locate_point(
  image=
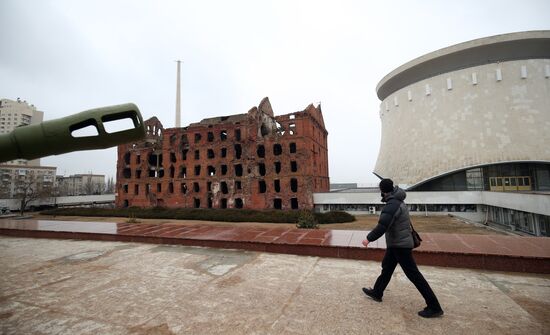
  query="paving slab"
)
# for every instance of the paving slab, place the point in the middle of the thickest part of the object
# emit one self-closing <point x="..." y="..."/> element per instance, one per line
<point x="50" y="286"/>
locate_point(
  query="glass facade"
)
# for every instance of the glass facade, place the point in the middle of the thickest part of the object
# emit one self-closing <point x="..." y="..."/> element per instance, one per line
<point x="411" y="207"/>
<point x="530" y="223"/>
<point x="496" y="177"/>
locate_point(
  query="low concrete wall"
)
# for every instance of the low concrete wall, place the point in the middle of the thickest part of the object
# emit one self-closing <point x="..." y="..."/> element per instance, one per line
<point x="420" y="198"/>
<point x="538" y="203"/>
<point x="15" y="204"/>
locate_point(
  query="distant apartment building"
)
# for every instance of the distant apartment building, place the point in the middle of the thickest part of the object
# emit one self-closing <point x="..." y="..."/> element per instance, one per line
<point x="81" y="184"/>
<point x="17" y="179"/>
<point x="15" y="114"/>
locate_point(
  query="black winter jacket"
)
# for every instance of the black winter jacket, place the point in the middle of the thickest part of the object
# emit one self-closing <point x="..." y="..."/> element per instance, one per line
<point x="399" y="233"/>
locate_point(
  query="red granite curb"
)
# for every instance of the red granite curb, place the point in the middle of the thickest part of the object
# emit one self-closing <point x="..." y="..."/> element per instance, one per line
<point x="488" y="252"/>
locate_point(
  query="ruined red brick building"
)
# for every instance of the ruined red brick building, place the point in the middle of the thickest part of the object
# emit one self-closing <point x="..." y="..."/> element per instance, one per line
<point x="254" y="160"/>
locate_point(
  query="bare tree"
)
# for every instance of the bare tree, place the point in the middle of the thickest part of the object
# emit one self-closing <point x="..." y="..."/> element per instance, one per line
<point x="29" y="188"/>
<point x="110" y="189"/>
<point x="89" y="187"/>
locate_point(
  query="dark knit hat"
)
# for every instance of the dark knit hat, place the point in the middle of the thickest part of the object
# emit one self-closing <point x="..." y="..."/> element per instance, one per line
<point x="386" y="185"/>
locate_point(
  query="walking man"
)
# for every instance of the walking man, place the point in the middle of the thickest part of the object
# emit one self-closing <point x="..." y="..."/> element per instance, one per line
<point x="394" y="221"/>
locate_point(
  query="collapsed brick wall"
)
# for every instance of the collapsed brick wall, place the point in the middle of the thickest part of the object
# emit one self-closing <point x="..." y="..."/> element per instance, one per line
<point x="253" y="160"/>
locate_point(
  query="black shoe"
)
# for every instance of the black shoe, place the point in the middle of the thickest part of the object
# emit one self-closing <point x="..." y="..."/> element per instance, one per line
<point x="430" y="313"/>
<point x="370" y="293"/>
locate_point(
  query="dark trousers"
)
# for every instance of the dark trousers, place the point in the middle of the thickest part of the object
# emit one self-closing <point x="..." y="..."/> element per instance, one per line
<point x="403" y="257"/>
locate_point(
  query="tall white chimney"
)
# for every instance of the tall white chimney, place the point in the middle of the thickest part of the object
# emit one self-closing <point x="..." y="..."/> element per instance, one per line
<point x="178" y="103"/>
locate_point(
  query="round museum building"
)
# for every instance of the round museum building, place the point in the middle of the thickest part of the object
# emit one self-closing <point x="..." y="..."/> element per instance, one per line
<point x="472" y="116"/>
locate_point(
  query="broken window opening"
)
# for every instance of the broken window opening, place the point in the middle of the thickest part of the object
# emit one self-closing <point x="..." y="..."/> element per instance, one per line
<point x="277" y="185"/>
<point x="197" y="154"/>
<point x="171" y="187"/>
<point x="138" y="159"/>
<point x="173" y="157"/>
<point x="127" y="157"/>
<point x="223" y="152"/>
<point x="277" y="203"/>
<point x="152" y="173"/>
<point x="210" y="154"/>
<point x="159" y="187"/>
<point x="237" y="134"/>
<point x="262" y="186"/>
<point x="223" y="203"/>
<point x="223" y="135"/>
<point x="238" y="203"/>
<point x="172" y="139"/>
<point x="197" y="170"/>
<point x="211" y="170"/>
<point x="264" y="130"/>
<point x="224" y="170"/>
<point x="238" y="170"/>
<point x="261" y="151"/>
<point x="183" y="188"/>
<point x="127" y="173"/>
<point x="198" y="137"/>
<point x="293" y="166"/>
<point x="238" y="151"/>
<point x="277" y="167"/>
<point x="184" y="139"/>
<point x="125" y="188"/>
<point x="261" y="169"/>
<point x="172" y="171"/>
<point x="292" y="147"/>
<point x="138" y="174"/>
<point x="183" y="172"/>
<point x="209" y="186"/>
<point x="238" y="185"/>
<point x="294" y="203"/>
<point x="294" y="185"/>
<point x="125" y="204"/>
<point x="277" y="149"/>
<point x="155" y="159"/>
<point x="197" y="202"/>
<point x="184" y="154"/>
<point x="196" y="187"/>
<point x="210" y="136"/>
<point x="136" y="189"/>
<point x="224" y="188"/>
<point x="161" y="173"/>
<point x="280" y="128"/>
<point x="209" y="202"/>
<point x="292" y="116"/>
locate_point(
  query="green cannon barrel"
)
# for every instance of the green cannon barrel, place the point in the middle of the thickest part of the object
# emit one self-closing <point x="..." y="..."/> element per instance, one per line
<point x="81" y="131"/>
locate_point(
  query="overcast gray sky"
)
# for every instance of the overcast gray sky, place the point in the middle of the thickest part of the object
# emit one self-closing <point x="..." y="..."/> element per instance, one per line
<point x="68" y="56"/>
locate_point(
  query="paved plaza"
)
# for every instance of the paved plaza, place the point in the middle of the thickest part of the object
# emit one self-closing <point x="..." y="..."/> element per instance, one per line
<point x="50" y="286"/>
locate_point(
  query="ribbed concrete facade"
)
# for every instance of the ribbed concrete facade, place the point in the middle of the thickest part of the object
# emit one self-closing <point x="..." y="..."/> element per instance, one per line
<point x="488" y="103"/>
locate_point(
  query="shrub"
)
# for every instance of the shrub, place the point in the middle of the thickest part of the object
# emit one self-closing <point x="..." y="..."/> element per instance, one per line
<point x="307" y="220"/>
<point x="132" y="219"/>
<point x="334" y="217"/>
<point x="226" y="215"/>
